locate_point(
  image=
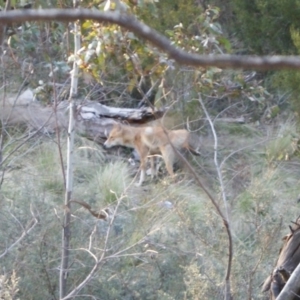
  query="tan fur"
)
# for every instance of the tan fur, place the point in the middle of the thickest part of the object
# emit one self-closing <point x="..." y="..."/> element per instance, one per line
<point x="150" y="141"/>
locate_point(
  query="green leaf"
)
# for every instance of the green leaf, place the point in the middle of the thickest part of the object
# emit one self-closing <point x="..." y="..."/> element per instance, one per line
<point x="216" y="27"/>
<point x="87" y="25"/>
<point x="225" y="43"/>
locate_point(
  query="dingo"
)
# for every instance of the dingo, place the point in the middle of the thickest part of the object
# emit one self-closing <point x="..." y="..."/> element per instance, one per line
<point x="150" y="141"/>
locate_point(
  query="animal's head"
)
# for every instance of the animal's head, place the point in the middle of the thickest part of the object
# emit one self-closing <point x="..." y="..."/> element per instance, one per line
<point x="115" y="137"/>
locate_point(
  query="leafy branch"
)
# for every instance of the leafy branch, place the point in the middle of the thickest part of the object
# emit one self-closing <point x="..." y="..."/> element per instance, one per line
<point x="158" y="40"/>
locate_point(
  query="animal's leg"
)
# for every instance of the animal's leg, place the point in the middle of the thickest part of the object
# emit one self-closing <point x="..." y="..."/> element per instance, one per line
<point x="158" y="164"/>
<point x="143" y="158"/>
<point x="168" y="156"/>
<point x="153" y="170"/>
<point x="142" y="177"/>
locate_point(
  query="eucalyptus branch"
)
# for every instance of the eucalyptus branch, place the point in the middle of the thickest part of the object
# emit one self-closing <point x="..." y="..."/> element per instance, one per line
<point x="158" y="40"/>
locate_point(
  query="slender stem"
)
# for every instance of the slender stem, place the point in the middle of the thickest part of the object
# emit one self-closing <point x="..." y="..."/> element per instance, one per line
<point x="66" y="232"/>
<point x="226" y="222"/>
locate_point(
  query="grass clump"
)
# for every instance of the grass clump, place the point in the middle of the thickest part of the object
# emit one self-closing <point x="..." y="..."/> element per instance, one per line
<point x="284" y="146"/>
<point x="46" y="164"/>
<point x="108" y="183"/>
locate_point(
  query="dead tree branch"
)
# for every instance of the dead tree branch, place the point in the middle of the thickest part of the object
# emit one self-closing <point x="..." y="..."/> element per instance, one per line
<point x="158" y="40"/>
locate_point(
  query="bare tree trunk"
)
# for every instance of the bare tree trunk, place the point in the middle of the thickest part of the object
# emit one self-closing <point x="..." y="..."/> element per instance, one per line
<point x="66" y="232"/>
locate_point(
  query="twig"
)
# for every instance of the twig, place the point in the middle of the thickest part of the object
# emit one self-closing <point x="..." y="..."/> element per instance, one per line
<point x="58" y="131"/>
<point x="26" y="231"/>
<point x="219" y="211"/>
<point x="98" y="261"/>
<point x="218" y="168"/>
<point x="225" y="220"/>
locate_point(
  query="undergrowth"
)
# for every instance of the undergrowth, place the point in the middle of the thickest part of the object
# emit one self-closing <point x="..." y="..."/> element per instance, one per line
<point x="166" y="240"/>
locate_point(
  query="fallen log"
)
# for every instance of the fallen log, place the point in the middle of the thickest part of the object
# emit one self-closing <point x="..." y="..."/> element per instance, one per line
<point x="93" y="120"/>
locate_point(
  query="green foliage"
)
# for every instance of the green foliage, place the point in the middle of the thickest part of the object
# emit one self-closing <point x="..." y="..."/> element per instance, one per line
<point x="238" y="130"/>
<point x="110" y="181"/>
<point x="119" y="55"/>
<point x="295" y="36"/>
<point x="170" y="13"/>
<point x="204" y="35"/>
<point x="270" y="32"/>
<point x="287" y="82"/>
<point x="285" y="145"/>
<point x="274" y="31"/>
<point x="49" y="169"/>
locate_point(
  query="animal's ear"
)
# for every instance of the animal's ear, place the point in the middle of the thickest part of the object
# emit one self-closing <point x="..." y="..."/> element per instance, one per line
<point x="118" y="126"/>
